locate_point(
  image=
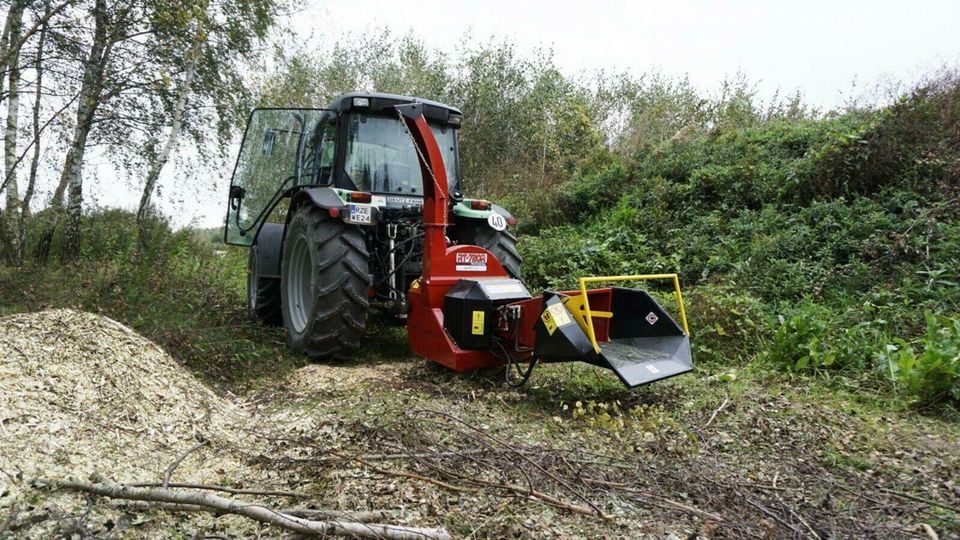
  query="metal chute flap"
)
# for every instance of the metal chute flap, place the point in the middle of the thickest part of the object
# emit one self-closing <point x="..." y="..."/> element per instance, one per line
<point x="645" y="344"/>
<point x="637" y="314"/>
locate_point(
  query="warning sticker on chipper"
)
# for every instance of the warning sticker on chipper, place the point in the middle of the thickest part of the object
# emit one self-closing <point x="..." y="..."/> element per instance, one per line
<point x="472" y="262"/>
<point x="477" y="327"/>
<point x="554" y="317"/>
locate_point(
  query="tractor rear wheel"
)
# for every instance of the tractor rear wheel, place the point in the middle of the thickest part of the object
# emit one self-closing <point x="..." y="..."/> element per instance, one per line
<point x="503" y="244"/>
<point x="324" y="283"/>
<point x="263" y="293"/>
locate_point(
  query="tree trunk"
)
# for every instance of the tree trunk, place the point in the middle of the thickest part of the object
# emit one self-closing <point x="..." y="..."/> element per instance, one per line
<point x="143" y="212"/>
<point x="12" y="217"/>
<point x="71" y="177"/>
<point x="37" y="99"/>
<point x="4" y="41"/>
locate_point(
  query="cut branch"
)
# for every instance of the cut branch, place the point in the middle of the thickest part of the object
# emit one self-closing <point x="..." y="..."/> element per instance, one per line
<point x="255" y="512"/>
<point x="225" y="489"/>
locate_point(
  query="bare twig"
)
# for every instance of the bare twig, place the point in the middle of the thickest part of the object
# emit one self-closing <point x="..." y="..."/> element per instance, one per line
<point x="677" y="505"/>
<point x="405" y="474"/>
<point x="173" y="466"/>
<point x="931" y="534"/>
<point x="713" y="416"/>
<point x="920" y="499"/>
<point x="253" y="511"/>
<point x="776" y="517"/>
<point x="596" y="510"/>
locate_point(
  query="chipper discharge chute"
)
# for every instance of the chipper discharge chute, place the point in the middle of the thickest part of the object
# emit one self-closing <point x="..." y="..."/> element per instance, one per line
<point x="467" y="312"/>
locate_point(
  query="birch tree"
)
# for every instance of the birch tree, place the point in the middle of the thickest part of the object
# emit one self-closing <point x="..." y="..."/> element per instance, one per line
<point x="12" y="45"/>
<point x="71" y="177"/>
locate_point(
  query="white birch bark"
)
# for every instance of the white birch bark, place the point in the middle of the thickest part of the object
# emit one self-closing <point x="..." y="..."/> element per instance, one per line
<point x="12" y="213"/>
<point x="175" y="125"/>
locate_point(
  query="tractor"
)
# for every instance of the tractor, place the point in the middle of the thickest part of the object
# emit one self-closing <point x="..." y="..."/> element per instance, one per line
<point x="358" y="210"/>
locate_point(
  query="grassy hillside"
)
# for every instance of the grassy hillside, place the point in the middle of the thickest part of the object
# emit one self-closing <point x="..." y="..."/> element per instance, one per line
<point x="819" y="245"/>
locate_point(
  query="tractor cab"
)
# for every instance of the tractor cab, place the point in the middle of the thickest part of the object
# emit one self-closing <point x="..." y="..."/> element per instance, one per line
<point x="356" y="145"/>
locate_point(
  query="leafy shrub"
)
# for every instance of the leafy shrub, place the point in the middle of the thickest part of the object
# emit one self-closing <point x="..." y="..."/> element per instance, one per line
<point x="933" y="375"/>
<point x="816" y="338"/>
<point x="726" y="322"/>
<point x="798" y="342"/>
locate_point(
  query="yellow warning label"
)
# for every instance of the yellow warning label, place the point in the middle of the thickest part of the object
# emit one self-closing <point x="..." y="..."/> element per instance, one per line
<point x="548" y="322"/>
<point x="477" y="328"/>
<point x="555" y="316"/>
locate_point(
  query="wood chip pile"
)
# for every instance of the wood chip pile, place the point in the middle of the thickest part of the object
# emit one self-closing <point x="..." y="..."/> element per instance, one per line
<point x="83" y="394"/>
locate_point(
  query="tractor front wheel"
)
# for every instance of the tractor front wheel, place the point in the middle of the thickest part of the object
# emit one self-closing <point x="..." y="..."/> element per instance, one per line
<point x="503" y="244"/>
<point x="324" y="283"/>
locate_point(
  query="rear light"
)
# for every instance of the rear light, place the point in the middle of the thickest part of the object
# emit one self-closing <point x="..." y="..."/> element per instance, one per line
<point x="370" y="292"/>
<point x="360" y="197"/>
<point x="480" y="204"/>
<point x="511" y="221"/>
<point x="334" y="212"/>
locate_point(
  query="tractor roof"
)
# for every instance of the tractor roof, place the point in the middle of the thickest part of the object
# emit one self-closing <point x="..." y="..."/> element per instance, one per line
<point x="378" y="102"/>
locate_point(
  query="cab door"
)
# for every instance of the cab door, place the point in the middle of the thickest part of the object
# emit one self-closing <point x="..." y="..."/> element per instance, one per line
<point x="281" y="149"/>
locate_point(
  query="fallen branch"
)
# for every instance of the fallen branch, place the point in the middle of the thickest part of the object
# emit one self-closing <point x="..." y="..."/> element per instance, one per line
<point x="360" y="516"/>
<point x="226" y="489"/>
<point x="931" y="534"/>
<point x="256" y="512"/>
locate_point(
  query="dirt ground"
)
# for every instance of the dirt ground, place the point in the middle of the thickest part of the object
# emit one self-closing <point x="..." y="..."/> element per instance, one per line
<point x="719" y="453"/>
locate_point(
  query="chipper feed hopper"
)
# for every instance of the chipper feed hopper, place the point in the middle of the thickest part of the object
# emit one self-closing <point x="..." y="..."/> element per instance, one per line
<point x="357" y="208"/>
<point x="466" y="311"/>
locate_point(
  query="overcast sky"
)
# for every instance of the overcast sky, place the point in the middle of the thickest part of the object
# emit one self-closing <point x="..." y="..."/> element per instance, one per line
<point x="817" y="47"/>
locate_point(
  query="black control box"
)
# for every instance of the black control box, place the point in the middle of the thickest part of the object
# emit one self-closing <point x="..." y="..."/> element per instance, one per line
<point x="469" y="309"/>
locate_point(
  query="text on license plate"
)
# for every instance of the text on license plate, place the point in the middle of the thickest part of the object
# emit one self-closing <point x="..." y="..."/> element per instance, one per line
<point x="359" y="214"/>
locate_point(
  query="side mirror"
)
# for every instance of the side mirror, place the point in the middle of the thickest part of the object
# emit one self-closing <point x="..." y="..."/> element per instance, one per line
<point x="237" y="194"/>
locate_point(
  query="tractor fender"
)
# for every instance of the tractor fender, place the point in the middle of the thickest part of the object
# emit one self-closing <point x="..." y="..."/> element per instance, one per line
<point x="464" y="212"/>
<point x="501" y="210"/>
<point x="266" y="248"/>
<point x="321" y="197"/>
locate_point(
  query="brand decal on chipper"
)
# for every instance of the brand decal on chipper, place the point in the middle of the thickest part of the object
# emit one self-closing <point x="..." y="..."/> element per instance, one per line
<point x="472" y="262"/>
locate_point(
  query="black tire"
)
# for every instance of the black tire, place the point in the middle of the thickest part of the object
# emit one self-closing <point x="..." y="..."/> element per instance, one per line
<point x="503" y="244"/>
<point x="263" y="294"/>
<point x="324" y="283"/>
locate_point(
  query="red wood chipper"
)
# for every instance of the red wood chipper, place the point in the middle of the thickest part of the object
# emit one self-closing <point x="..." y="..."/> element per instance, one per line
<point x="466" y="311"/>
<point x="357" y="208"/>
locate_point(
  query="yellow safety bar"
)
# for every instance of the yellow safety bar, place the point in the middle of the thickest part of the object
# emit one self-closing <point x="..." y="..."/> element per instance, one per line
<point x="644" y="277"/>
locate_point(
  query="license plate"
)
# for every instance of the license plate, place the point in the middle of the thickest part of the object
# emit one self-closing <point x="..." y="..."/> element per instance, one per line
<point x="359" y="214"/>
